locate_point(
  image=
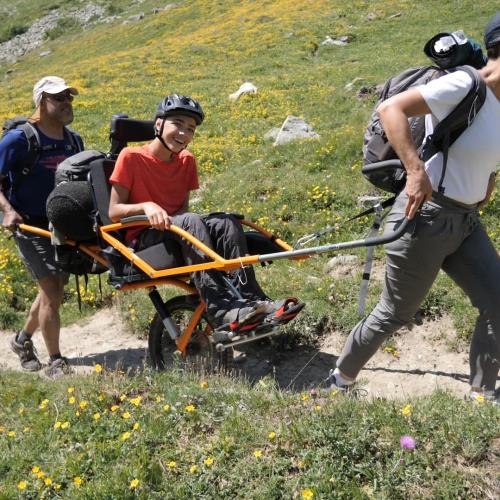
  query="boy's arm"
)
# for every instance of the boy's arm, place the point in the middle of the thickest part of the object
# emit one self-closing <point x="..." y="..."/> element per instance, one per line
<point x="119" y="208"/>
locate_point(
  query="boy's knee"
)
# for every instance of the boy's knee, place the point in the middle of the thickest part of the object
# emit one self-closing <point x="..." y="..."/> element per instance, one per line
<point x="188" y="220"/>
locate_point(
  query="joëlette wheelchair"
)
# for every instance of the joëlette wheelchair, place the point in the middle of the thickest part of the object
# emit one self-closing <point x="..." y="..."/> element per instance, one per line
<point x="180" y="328"/>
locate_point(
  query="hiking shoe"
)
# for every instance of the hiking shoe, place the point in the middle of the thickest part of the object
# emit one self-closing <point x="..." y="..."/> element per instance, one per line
<point x="484" y="397"/>
<point x="27" y="354"/>
<point x="58" y="368"/>
<point x="334" y="385"/>
<point x="280" y="312"/>
<point x="244" y="319"/>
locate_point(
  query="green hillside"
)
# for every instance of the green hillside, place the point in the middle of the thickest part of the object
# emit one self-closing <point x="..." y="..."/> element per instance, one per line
<point x="207" y="49"/>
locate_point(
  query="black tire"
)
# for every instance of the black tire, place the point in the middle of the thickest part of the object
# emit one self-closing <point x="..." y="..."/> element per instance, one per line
<point x="200" y="353"/>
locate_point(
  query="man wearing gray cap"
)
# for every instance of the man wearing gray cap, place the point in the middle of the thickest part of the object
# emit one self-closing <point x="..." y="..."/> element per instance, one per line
<point x="29" y="155"/>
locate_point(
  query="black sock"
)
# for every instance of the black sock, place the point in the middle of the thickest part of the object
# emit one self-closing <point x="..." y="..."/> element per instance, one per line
<point x="23" y="336"/>
<point x="53" y="357"/>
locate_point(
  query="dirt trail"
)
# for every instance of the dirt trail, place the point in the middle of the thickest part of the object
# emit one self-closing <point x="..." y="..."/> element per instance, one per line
<point x="425" y="362"/>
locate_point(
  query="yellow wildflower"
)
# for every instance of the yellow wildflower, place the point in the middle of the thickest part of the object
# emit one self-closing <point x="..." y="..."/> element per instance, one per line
<point x="72" y="400"/>
<point x="22" y="485"/>
<point x="172" y="464"/>
<point x="204" y="384"/>
<point x="257" y="453"/>
<point x="190" y="408"/>
<point x="406" y="410"/>
<point x="307" y="493"/>
<point x="272" y="435"/>
<point x="136" y="401"/>
<point x="193" y="469"/>
<point x="47" y="481"/>
<point x="114" y="408"/>
<point x="126" y="415"/>
<point x="35" y="469"/>
<point x="136" y="426"/>
<point x="98" y="368"/>
<point x="64" y="425"/>
<point x="96" y="416"/>
<point x="57" y="425"/>
<point x="134" y="483"/>
<point x="83" y="405"/>
<point x="77" y="481"/>
<point x="125" y="436"/>
<point x="166" y="407"/>
<point x="208" y="461"/>
<point x="71" y="390"/>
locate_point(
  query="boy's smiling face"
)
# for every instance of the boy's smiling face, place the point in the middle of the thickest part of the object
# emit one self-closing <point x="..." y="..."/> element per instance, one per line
<point x="178" y="131"/>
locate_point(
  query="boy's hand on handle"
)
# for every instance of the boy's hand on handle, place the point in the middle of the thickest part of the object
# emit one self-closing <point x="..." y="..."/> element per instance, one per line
<point x="418" y="189"/>
<point x="11" y="219"/>
<point x="157" y="216"/>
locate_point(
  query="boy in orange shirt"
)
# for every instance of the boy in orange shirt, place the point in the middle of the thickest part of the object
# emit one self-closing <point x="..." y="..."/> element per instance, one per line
<point x="155" y="180"/>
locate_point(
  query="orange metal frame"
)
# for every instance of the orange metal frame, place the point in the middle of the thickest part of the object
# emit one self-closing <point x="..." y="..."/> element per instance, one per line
<point x="178" y="276"/>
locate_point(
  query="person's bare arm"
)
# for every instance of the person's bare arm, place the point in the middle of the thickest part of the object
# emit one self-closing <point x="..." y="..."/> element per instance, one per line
<point x="394" y="114"/>
<point x="119" y="208"/>
<point x="11" y="219"/>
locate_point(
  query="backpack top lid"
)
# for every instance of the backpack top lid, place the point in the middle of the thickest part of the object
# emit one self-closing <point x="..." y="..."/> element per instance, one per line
<point x="448" y="50"/>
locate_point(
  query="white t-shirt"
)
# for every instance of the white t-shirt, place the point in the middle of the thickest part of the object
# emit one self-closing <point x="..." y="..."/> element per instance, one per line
<point x="476" y="153"/>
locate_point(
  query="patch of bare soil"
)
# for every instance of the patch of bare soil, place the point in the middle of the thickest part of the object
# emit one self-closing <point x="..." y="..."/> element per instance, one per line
<point x="102" y="339"/>
<point x="423" y="361"/>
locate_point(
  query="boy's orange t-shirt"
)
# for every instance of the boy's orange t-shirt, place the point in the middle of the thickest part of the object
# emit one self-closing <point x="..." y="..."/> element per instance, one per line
<point x="150" y="179"/>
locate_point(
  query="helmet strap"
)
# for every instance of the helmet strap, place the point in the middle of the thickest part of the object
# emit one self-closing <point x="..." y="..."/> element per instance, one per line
<point x="159" y="136"/>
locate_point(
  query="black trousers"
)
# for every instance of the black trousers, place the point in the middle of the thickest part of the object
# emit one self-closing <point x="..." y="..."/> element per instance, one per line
<point x="223" y="233"/>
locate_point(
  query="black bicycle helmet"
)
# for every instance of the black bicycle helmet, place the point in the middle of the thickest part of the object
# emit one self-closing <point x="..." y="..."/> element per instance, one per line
<point x="180" y="105"/>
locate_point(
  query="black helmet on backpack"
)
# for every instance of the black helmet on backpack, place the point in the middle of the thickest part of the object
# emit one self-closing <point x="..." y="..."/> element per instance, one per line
<point x="448" y="50"/>
<point x="180" y="105"/>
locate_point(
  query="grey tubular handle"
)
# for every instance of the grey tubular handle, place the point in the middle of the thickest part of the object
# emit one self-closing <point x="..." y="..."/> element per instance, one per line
<point x="367" y="242"/>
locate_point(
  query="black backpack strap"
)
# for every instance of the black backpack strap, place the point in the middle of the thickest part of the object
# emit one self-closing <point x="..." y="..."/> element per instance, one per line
<point x="34" y="147"/>
<point x="74" y="140"/>
<point x="449" y="129"/>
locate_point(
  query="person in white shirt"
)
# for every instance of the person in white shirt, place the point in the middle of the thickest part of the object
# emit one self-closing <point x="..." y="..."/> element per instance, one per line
<point x="445" y="231"/>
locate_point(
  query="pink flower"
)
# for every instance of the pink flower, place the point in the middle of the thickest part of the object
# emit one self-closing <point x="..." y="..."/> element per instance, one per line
<point x="407" y="443"/>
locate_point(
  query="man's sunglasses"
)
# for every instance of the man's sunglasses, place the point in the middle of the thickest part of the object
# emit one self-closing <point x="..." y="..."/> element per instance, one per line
<point x="60" y="97"/>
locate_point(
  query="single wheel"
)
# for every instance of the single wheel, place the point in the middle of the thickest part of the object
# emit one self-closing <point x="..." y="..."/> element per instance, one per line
<point x="200" y="352"/>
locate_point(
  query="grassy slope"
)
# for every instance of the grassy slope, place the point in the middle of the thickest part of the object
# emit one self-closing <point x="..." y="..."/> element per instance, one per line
<point x="207" y="49"/>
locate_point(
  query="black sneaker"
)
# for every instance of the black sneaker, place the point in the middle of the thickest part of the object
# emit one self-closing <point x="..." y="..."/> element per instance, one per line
<point x="334" y="385"/>
<point x="58" y="368"/>
<point x="27" y="354"/>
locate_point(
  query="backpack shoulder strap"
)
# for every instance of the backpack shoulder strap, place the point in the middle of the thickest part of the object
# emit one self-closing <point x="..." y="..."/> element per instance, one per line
<point x="448" y="130"/>
<point x="74" y="139"/>
<point x="34" y="147"/>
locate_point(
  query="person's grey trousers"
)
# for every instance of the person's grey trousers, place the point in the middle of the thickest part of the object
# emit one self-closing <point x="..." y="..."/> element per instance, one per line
<point x="444" y="235"/>
<point x="223" y="233"/>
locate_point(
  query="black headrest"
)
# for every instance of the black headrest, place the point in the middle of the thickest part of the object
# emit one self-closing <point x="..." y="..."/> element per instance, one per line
<point x="123" y="130"/>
